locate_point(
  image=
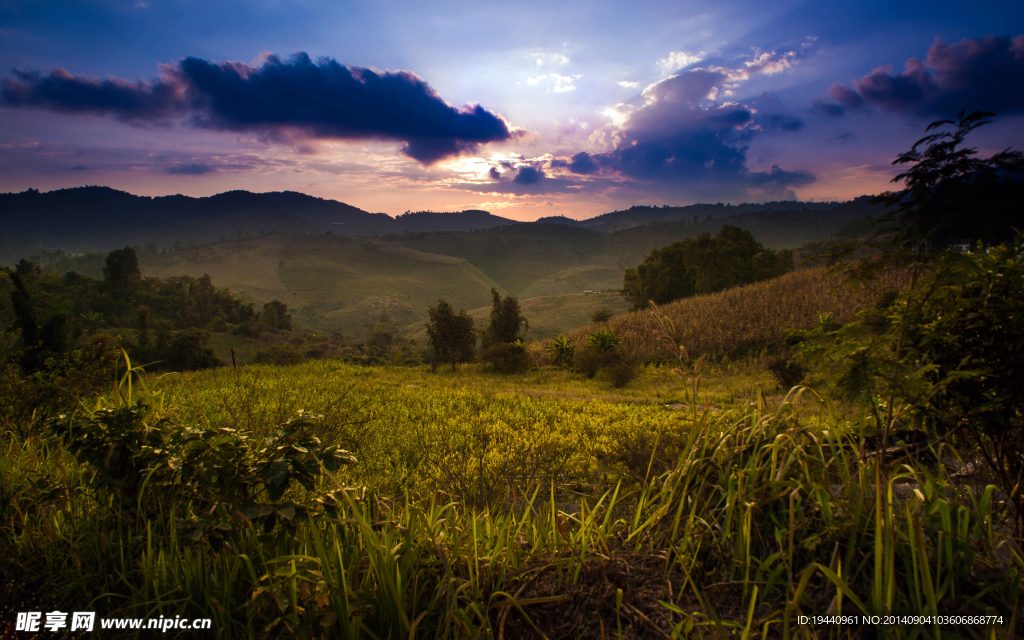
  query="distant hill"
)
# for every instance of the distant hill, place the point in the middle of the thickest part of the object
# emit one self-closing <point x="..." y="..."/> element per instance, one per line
<point x="100" y="218"/>
<point x="638" y="216"/>
<point x="455" y="221"/>
<point x="346" y="284"/>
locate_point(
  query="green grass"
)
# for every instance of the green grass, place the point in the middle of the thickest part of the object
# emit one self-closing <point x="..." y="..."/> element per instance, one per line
<point x="575" y="279"/>
<point x="548" y="315"/>
<point x="736" y="522"/>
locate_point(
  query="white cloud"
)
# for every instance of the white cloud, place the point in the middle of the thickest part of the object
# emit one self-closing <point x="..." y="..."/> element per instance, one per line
<point x="771" y="63"/>
<point x="551" y="59"/>
<point x="558" y="83"/>
<point x="677" y="60"/>
<point x="618" y="114"/>
<point x="628" y="84"/>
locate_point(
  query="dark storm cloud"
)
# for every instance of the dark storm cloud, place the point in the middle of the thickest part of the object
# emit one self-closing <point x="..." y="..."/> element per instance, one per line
<point x="828" y="109"/>
<point x="582" y="164"/>
<point x="67" y="93"/>
<point x="280" y="98"/>
<point x="983" y="73"/>
<point x="494" y="173"/>
<point x="776" y="178"/>
<point x="528" y="175"/>
<point x="845" y="96"/>
<point x="192" y="169"/>
<point x="784" y="122"/>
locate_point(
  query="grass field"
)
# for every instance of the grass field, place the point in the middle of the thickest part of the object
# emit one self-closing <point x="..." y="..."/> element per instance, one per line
<point x="548" y="315"/>
<point x="529" y="506"/>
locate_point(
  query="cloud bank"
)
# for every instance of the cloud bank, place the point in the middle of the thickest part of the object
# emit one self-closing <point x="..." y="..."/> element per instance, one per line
<point x="288" y="99"/>
<point x="682" y="135"/>
<point x="973" y="74"/>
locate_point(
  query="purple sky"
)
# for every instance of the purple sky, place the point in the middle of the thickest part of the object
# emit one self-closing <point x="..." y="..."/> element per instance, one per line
<point x="524" y="109"/>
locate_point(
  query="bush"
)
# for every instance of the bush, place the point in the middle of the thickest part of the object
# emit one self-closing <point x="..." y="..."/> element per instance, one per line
<point x="279" y="355"/>
<point x="218" y="325"/>
<point x="228" y="478"/>
<point x="187" y="351"/>
<point x="604" y="340"/>
<point x="786" y="371"/>
<point x="507" y="357"/>
<point x="65" y="382"/>
<point x="620" y="366"/>
<point x="622" y="371"/>
<point x="561" y="350"/>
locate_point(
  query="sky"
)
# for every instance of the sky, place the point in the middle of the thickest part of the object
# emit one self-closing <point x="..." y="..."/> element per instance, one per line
<point x="525" y="109"/>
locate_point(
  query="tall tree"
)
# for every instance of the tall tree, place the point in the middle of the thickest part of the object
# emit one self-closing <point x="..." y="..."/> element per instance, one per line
<point x="452" y="336"/>
<point x="507" y="321"/>
<point x="121" y="270"/>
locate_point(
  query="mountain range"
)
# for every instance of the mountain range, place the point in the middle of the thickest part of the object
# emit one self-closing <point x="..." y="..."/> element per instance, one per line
<point x="95" y="218"/>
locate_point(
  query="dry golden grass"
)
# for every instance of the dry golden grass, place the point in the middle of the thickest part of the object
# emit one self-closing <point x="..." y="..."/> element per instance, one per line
<point x="749" y="317"/>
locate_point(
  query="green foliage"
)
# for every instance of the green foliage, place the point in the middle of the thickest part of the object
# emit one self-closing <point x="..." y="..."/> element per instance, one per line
<point x="950" y="196"/>
<point x="58" y="386"/>
<point x="703" y="264"/>
<point x="787" y="371"/>
<point x="451" y="336"/>
<point x="276" y="316"/>
<point x="604" y="340"/>
<point x="121" y="271"/>
<point x="604" y="353"/>
<point x="604" y="314"/>
<point x="229" y="478"/>
<point x="186" y="351"/>
<point x="561" y="350"/>
<point x="945" y="356"/>
<point x="776" y="507"/>
<point x="507" y="322"/>
<point x="280" y="355"/>
<point x="507" y="357"/>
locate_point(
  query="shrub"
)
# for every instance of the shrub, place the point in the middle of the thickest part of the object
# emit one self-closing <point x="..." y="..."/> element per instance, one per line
<point x="604" y="340"/>
<point x="622" y="369"/>
<point x="561" y="350"/>
<point x="218" y="325"/>
<point x="187" y="351"/>
<point x="228" y="478"/>
<point x="588" y="361"/>
<point x="507" y="357"/>
<point x="786" y="371"/>
<point x="604" y="314"/>
<point x="620" y="366"/>
<point x="279" y="355"/>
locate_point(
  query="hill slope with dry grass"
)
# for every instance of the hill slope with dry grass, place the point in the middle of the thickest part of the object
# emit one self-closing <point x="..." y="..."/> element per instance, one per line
<point x="754" y="316"/>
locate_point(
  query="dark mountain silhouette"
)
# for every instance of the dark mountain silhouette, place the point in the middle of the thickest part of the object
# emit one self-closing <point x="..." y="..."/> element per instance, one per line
<point x="455" y="221"/>
<point x="94" y="218"/>
<point x="638" y="216"/>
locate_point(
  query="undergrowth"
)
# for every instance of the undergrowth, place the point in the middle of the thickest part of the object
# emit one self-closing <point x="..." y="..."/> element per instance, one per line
<point x="737" y="523"/>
